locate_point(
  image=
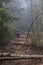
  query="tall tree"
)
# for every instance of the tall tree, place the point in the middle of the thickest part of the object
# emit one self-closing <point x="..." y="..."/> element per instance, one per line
<point x="5" y="32"/>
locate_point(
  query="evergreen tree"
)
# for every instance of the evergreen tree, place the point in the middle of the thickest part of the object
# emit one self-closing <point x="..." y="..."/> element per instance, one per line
<point x="5" y="32"/>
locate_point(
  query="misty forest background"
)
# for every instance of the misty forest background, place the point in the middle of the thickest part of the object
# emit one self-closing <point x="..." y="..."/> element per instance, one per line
<point x="19" y="14"/>
<point x="26" y="11"/>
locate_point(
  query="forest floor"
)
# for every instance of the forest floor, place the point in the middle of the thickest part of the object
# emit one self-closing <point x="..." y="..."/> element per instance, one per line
<point x="18" y="46"/>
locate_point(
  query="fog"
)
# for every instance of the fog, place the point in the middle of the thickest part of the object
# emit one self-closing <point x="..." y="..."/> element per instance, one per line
<point x="26" y="11"/>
